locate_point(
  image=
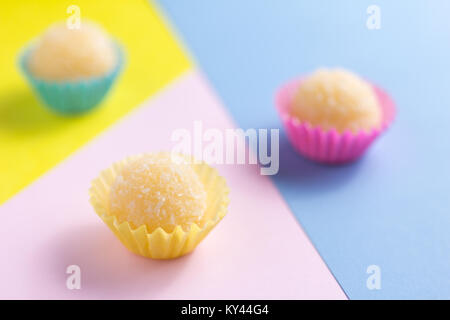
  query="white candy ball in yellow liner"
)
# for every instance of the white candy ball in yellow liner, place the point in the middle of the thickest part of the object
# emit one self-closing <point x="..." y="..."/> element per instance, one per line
<point x="339" y="99"/>
<point x="155" y="191"/>
<point x="63" y="54"/>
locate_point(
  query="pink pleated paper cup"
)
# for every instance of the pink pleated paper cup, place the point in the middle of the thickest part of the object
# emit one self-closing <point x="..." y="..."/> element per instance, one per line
<point x="330" y="146"/>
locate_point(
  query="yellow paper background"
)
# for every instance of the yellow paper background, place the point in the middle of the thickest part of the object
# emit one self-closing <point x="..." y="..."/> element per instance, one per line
<point x="33" y="139"/>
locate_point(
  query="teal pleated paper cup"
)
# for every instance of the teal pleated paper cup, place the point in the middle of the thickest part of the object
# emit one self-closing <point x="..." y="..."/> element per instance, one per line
<point x="72" y="97"/>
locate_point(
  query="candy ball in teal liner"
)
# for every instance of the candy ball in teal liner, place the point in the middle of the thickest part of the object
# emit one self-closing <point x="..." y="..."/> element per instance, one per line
<point x="71" y="87"/>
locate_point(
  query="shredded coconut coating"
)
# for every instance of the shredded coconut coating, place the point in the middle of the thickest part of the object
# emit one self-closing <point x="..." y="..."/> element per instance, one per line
<point x="72" y="54"/>
<point x="155" y="191"/>
<point x="339" y="99"/>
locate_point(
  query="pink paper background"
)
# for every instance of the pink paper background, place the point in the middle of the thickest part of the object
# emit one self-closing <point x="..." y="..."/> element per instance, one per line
<point x="258" y="251"/>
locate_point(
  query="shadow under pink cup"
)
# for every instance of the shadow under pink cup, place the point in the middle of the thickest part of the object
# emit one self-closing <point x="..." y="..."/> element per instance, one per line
<point x="329" y="146"/>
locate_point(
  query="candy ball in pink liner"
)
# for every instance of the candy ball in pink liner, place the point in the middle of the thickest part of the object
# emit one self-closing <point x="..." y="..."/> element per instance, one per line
<point x="336" y="99"/>
<point x="328" y="145"/>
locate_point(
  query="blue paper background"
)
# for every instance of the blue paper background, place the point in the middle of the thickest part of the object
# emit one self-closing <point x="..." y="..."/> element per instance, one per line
<point x="391" y="208"/>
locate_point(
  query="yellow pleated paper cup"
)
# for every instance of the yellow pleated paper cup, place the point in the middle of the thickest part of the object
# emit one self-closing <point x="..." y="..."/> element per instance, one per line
<point x="160" y="244"/>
